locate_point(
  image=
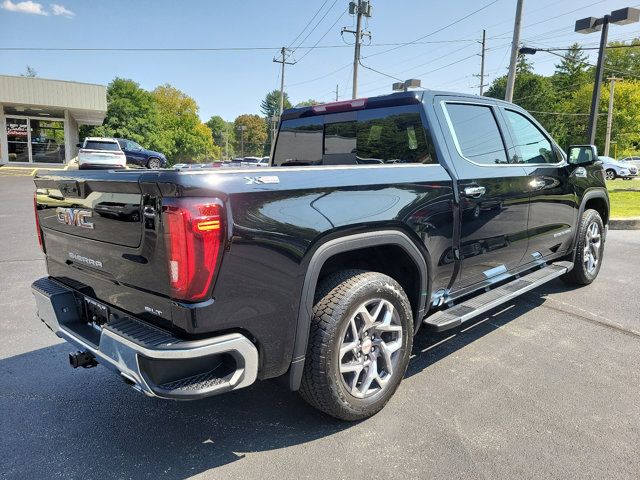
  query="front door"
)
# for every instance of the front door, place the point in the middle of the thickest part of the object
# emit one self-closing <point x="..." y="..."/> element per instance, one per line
<point x="494" y="197"/>
<point x="553" y="202"/>
<point x="18" y="139"/>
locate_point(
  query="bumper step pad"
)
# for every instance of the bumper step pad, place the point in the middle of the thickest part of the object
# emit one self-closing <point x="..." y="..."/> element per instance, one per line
<point x="458" y="314"/>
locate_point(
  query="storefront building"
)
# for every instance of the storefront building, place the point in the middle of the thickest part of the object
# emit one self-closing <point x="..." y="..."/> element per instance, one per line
<point x="39" y="118"/>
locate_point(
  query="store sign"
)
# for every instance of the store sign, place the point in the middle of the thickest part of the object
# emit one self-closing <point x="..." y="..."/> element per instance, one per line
<point x="17" y="129"/>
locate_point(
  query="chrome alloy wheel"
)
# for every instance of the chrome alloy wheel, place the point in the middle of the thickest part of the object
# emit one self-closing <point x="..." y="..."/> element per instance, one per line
<point x="592" y="243"/>
<point x="370" y="348"/>
<point x="154" y="164"/>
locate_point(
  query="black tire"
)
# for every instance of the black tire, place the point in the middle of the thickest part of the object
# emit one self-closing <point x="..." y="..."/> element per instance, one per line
<point x="610" y="174"/>
<point x="581" y="274"/>
<point x="338" y="300"/>
<point x="152" y="162"/>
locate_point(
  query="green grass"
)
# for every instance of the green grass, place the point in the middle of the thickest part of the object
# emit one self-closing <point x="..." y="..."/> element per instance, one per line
<point x="625" y="198"/>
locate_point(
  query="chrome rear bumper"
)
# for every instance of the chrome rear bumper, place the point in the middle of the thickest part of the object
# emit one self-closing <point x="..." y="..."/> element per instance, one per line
<point x="150" y="359"/>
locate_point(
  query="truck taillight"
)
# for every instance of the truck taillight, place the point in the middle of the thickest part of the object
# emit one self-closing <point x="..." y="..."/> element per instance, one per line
<point x="35" y="212"/>
<point x="194" y="237"/>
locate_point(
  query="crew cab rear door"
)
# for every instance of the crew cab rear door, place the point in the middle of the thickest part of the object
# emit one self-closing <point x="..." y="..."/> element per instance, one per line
<point x="494" y="198"/>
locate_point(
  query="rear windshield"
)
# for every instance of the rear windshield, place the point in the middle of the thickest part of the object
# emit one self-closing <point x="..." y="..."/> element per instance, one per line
<point x="366" y="137"/>
<point x="98" y="145"/>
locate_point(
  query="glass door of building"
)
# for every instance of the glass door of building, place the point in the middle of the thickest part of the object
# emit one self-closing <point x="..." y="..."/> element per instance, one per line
<point x="47" y="140"/>
<point x="18" y="139"/>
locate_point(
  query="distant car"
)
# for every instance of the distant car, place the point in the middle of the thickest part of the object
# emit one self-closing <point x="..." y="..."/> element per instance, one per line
<point x="255" y="162"/>
<point x="634" y="160"/>
<point x="616" y="169"/>
<point x="99" y="152"/>
<point x="138" y="155"/>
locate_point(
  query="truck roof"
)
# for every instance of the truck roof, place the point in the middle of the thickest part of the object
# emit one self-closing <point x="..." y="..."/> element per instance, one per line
<point x="390" y="100"/>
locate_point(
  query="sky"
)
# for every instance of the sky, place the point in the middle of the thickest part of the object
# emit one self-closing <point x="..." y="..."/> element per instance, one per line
<point x="230" y="83"/>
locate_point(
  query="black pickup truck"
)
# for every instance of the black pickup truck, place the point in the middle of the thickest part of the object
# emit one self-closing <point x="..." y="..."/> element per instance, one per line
<point x="375" y="217"/>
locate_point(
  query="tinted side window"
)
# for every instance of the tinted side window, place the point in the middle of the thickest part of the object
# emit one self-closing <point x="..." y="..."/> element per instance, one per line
<point x="532" y="145"/>
<point x="299" y="142"/>
<point x="393" y="135"/>
<point x="477" y="133"/>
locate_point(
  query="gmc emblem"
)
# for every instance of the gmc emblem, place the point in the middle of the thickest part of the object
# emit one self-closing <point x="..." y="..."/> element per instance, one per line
<point x="74" y="216"/>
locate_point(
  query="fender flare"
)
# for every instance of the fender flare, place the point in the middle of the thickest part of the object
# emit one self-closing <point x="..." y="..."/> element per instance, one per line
<point x="320" y="256"/>
<point x="589" y="195"/>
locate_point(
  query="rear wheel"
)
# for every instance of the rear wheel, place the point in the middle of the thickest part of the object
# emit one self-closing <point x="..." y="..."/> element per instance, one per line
<point x="359" y="344"/>
<point x="153" y="163"/>
<point x="589" y="250"/>
<point x="610" y="174"/>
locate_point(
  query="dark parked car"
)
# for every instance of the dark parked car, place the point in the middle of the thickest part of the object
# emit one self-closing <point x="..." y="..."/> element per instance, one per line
<point x="136" y="155"/>
<point x="375" y="218"/>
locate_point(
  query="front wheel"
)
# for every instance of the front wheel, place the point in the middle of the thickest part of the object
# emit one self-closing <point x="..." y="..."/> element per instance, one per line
<point x="589" y="250"/>
<point x="359" y="344"/>
<point x="154" y="163"/>
<point x="610" y="174"/>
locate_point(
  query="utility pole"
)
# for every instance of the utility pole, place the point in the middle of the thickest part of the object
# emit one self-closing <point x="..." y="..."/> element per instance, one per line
<point x="242" y="128"/>
<point x="360" y="8"/>
<point x="283" y="61"/>
<point x="515" y="45"/>
<point x="607" y="138"/>
<point x="226" y="141"/>
<point x="336" y="92"/>
<point x="482" y="56"/>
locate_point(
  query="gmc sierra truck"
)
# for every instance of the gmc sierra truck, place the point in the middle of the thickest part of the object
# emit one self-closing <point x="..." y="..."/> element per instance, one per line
<point x="376" y="217"/>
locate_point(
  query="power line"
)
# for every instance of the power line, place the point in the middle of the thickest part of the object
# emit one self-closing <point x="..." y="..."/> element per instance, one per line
<point x="316" y="25"/>
<point x="322" y="37"/>
<point x="320" y="77"/>
<point x="308" y="23"/>
<point x="210" y="49"/>
<point x="435" y="31"/>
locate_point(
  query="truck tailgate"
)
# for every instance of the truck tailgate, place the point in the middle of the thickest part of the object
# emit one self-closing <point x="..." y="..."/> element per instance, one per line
<point x="97" y="239"/>
<point x="95" y="210"/>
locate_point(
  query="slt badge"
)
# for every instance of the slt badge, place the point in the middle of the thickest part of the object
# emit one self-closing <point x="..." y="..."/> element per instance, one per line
<point x="74" y="216"/>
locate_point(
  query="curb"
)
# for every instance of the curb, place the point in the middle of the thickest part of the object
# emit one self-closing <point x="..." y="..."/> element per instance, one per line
<point x="632" y="223"/>
<point x="8" y="170"/>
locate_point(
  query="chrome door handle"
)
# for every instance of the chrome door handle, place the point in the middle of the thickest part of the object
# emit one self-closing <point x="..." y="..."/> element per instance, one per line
<point x="580" y="172"/>
<point x="537" y="183"/>
<point x="474" y="192"/>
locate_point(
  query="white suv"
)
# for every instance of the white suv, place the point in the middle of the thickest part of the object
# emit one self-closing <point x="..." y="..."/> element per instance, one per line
<point x="98" y="152"/>
<point x="616" y="169"/>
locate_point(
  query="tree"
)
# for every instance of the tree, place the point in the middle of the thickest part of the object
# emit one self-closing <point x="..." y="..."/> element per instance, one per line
<point x="571" y="72"/>
<point x="182" y="134"/>
<point x="131" y="113"/>
<point x="270" y="106"/>
<point x="625" y="129"/>
<point x="223" y="133"/>
<point x="536" y="94"/>
<point x="623" y="62"/>
<point x="523" y="65"/>
<point x="29" y="72"/>
<point x="253" y="137"/>
<point x="308" y="103"/>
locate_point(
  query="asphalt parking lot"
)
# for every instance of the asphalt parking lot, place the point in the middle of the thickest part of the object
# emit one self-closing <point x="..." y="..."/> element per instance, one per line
<point x="546" y="387"/>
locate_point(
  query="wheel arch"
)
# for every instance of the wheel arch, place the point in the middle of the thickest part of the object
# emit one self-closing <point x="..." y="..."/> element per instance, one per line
<point x="598" y="200"/>
<point x="342" y="245"/>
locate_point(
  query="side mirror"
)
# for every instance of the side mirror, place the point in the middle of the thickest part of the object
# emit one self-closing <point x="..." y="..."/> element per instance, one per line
<point x="79" y="145"/>
<point x="582" y="154"/>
